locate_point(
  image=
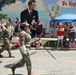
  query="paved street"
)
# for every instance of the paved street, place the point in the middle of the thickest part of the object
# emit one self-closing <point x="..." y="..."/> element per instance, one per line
<point x="42" y="63"/>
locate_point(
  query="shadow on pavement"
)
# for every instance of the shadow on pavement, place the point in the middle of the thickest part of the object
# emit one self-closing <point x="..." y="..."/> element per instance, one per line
<point x="5" y="57"/>
<point x="10" y="65"/>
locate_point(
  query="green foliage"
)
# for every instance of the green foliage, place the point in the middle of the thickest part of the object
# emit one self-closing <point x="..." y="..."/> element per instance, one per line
<point x="8" y="2"/>
<point x="3" y="16"/>
<point x="0" y="1"/>
<point x="2" y="4"/>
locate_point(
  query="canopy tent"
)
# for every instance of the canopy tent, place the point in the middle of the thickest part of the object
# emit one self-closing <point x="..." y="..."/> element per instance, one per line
<point x="65" y="18"/>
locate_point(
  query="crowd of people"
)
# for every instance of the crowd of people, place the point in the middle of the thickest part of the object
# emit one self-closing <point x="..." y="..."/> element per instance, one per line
<point x="62" y="31"/>
<point x="35" y="29"/>
<point x="65" y="32"/>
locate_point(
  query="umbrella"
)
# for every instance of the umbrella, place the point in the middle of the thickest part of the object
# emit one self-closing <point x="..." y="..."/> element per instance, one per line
<point x="65" y="18"/>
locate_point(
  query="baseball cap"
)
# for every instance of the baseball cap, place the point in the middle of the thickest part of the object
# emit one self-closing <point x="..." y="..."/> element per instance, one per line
<point x="60" y="23"/>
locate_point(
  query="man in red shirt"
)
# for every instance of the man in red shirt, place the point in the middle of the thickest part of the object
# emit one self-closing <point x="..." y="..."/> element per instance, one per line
<point x="60" y="33"/>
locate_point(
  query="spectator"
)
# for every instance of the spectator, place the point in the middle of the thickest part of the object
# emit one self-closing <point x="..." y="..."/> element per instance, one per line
<point x="39" y="28"/>
<point x="10" y="27"/>
<point x="33" y="29"/>
<point x="71" y="32"/>
<point x="17" y="21"/>
<point x="66" y="27"/>
<point x="60" y="33"/>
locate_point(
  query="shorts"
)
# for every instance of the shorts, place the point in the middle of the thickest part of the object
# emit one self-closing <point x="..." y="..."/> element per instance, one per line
<point x="60" y="37"/>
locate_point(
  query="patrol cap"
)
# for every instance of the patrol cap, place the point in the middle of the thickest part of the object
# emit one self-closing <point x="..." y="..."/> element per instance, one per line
<point x="25" y="24"/>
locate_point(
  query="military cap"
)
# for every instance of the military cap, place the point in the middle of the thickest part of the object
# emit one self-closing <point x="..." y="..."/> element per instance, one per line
<point x="25" y="24"/>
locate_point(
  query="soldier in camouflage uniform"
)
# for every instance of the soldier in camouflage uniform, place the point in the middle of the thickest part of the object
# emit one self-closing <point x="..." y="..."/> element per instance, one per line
<point x="0" y="33"/>
<point x="6" y="42"/>
<point x="25" y="38"/>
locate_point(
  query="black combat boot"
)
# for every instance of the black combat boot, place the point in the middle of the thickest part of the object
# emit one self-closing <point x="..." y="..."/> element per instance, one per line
<point x="13" y="70"/>
<point x="31" y="73"/>
<point x="11" y="55"/>
<point x="1" y="55"/>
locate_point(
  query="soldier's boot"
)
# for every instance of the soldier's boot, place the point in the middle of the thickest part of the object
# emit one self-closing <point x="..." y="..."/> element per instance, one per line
<point x="1" y="55"/>
<point x="11" y="55"/>
<point x="13" y="69"/>
<point x="1" y="50"/>
<point x="31" y="73"/>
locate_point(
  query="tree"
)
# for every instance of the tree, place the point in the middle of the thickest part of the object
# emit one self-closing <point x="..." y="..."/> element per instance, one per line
<point x="3" y="16"/>
<point x="5" y="2"/>
<point x="2" y="4"/>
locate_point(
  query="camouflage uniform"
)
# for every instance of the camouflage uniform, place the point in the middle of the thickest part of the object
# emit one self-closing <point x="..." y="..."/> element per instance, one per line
<point x="25" y="38"/>
<point x="0" y="33"/>
<point x="6" y="41"/>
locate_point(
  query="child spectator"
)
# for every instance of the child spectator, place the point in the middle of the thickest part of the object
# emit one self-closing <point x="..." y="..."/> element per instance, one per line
<point x="60" y="33"/>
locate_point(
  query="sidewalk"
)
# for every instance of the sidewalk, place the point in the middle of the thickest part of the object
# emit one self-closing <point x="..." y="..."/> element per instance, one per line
<point x="54" y="48"/>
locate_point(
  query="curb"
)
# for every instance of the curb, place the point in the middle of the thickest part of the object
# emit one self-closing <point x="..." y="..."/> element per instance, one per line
<point x="50" y="48"/>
